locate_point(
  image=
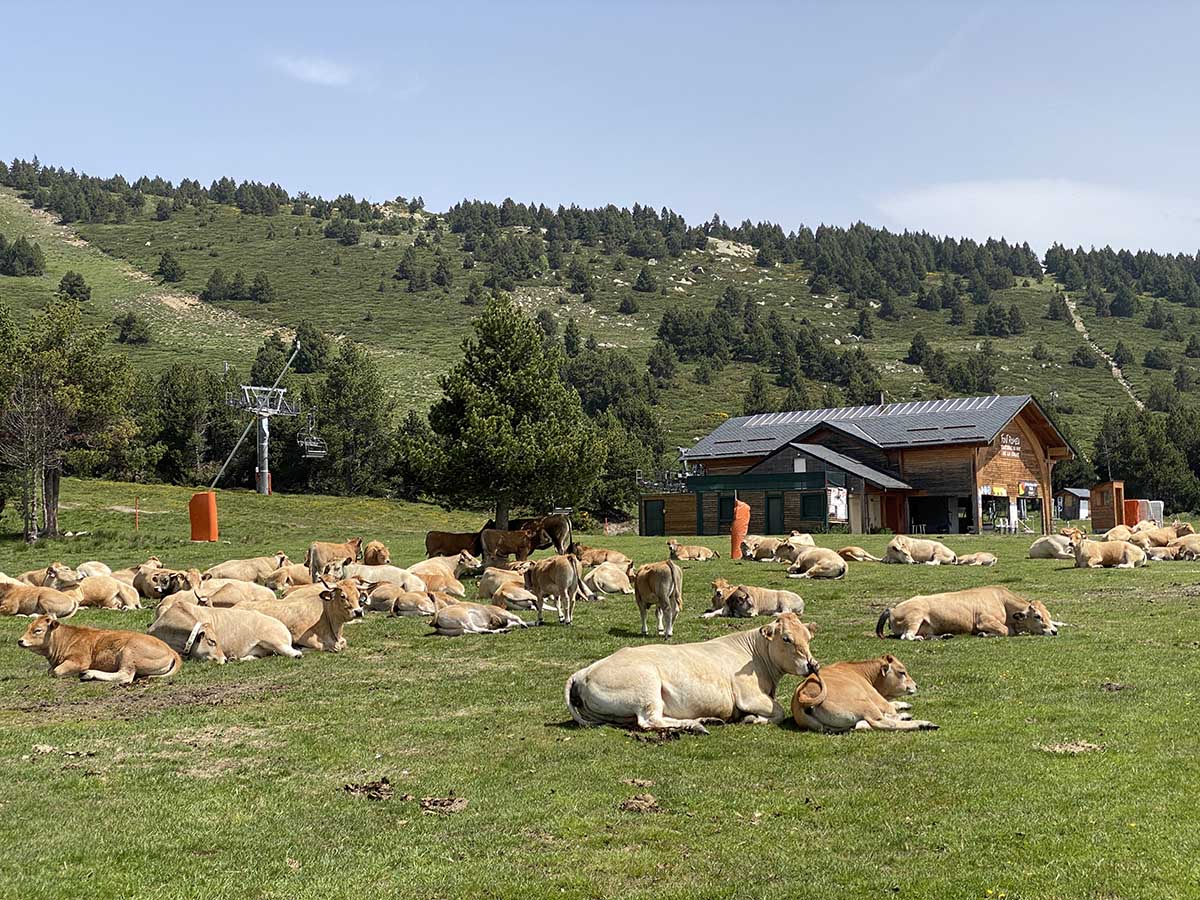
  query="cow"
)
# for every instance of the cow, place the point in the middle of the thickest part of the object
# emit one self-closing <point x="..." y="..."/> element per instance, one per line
<point x="229" y="588"/>
<point x="610" y="578"/>
<point x="1116" y="533"/>
<point x="474" y="618"/>
<point x="682" y="686"/>
<point x="1164" y="554"/>
<point x="659" y="585"/>
<point x="857" y="554"/>
<point x="8" y="579"/>
<point x="391" y="599"/>
<point x="1107" y="554"/>
<point x="498" y="545"/>
<point x="91" y="568"/>
<point x="749" y="543"/>
<point x="909" y="551"/>
<point x="1189" y="546"/>
<point x="33" y="578"/>
<point x="677" y="550"/>
<point x="560" y="577"/>
<point x="1161" y="537"/>
<point x="98" y="654"/>
<point x="98" y="591"/>
<point x="801" y="539"/>
<point x="316" y="614"/>
<point x="1145" y="525"/>
<point x="818" y="562"/>
<point x="344" y="568"/>
<point x="857" y="696"/>
<point x="442" y="583"/>
<point x="548" y="531"/>
<point x="320" y="553"/>
<point x="20" y="599"/>
<point x="153" y="583"/>
<point x="285" y="576"/>
<point x="494" y="578"/>
<point x="450" y="543"/>
<point x="594" y="556"/>
<point x="458" y="564"/>
<point x="744" y="601"/>
<point x="977" y="559"/>
<point x="376" y="553"/>
<point x="514" y="595"/>
<point x="256" y="569"/>
<point x="766" y="549"/>
<point x="219" y="635"/>
<point x="1052" y="546"/>
<point x="986" y="611"/>
<point x="128" y="574"/>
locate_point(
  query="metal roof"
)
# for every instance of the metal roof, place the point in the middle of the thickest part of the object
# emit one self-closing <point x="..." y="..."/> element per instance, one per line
<point x="1081" y="493"/>
<point x="962" y="420"/>
<point x="853" y="467"/>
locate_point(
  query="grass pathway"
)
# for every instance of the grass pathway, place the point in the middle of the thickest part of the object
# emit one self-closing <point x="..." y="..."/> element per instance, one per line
<point x="1102" y="353"/>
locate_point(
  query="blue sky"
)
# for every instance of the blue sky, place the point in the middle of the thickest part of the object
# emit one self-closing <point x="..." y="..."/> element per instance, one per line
<point x="1067" y="121"/>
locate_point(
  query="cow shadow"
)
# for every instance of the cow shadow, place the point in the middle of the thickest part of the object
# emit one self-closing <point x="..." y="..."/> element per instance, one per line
<point x="626" y="633"/>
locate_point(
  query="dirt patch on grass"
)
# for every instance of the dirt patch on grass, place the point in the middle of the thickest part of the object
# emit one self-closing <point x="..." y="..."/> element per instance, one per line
<point x="1071" y="748"/>
<point x="141" y="512"/>
<point x="443" y="806"/>
<point x="640" y="803"/>
<point x="138" y="701"/>
<point x="1112" y="687"/>
<point x="221" y="737"/>
<point x="654" y="737"/>
<point x="371" y="790"/>
<point x="638" y="782"/>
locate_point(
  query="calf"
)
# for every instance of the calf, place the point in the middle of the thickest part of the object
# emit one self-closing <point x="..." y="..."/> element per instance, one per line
<point x="818" y="562"/>
<point x="559" y="577"/>
<point x="857" y="696"/>
<point x="316" y="614"/>
<point x="682" y="686"/>
<point x="744" y="601"/>
<point x="96" y="654"/>
<point x="98" y="591"/>
<point x="909" y="551"/>
<point x="1161" y="537"/>
<point x="977" y="559"/>
<point x="687" y="551"/>
<point x="1164" y="554"/>
<point x="801" y="539"/>
<point x="285" y="576"/>
<point x="659" y="585"/>
<point x="376" y="554"/>
<point x="218" y="635"/>
<point x="857" y="554"/>
<point x="610" y="578"/>
<point x="595" y="556"/>
<point x="20" y="599"/>
<point x="257" y="569"/>
<point x="127" y="575"/>
<point x="499" y="545"/>
<point x="376" y="575"/>
<point x="461" y="563"/>
<point x="1052" y="546"/>
<point x="474" y="618"/>
<point x="91" y="568"/>
<point x="321" y="553"/>
<point x="984" y="611"/>
<point x="1107" y="554"/>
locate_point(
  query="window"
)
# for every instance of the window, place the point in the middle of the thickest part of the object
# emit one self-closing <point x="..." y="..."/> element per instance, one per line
<point x="799" y="464"/>
<point x="724" y="512"/>
<point x="812" y="506"/>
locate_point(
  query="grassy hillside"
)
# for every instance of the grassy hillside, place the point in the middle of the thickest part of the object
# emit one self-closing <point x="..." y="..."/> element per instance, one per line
<point x="1059" y="770"/>
<point x="349" y="291"/>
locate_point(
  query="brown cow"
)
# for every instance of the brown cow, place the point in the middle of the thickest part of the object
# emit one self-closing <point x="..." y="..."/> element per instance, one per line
<point x="548" y="531"/>
<point x="315" y="614"/>
<point x="499" y="545"/>
<point x="560" y="577"/>
<point x="594" y="556"/>
<point x="321" y="553"/>
<point x="449" y="543"/>
<point x="857" y="696"/>
<point x="97" y="654"/>
<point x="659" y="585"/>
<point x="19" y="599"/>
<point x="376" y="553"/>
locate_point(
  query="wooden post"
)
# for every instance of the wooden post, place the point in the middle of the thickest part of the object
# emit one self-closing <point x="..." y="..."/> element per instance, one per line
<point x="137" y="506"/>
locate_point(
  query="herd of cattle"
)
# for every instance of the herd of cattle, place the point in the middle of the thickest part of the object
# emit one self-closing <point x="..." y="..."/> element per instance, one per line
<point x="251" y="608"/>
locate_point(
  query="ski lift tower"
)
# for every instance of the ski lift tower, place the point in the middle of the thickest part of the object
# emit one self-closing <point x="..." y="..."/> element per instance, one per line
<point x="263" y="403"/>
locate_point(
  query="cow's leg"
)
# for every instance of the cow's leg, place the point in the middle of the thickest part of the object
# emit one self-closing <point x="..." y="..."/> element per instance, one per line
<point x="539" y="602"/>
<point x="266" y="648"/>
<point x="888" y="723"/>
<point x="658" y="618"/>
<point x="760" y="710"/>
<point x="990" y="626"/>
<point x="713" y="613"/>
<point x="67" y="668"/>
<point x="653" y="719"/>
<point x="670" y="617"/>
<point x="900" y="705"/>
<point x="644" y="610"/>
<point x="123" y="675"/>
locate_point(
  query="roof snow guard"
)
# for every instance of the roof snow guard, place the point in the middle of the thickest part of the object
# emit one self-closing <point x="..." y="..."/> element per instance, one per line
<point x="963" y="420"/>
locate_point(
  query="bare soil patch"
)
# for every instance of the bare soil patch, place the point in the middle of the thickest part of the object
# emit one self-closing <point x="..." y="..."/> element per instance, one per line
<point x="443" y="806"/>
<point x="1071" y="748"/>
<point x="371" y="790"/>
<point x="640" y="803"/>
<point x="140" y="700"/>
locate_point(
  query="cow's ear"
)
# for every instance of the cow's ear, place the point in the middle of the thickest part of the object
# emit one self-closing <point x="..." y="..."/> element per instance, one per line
<point x="326" y="595"/>
<point x="769" y="631"/>
<point x="812" y="628"/>
<point x="205" y="576"/>
<point x="1019" y="614"/>
<point x="52" y="624"/>
<point x="347" y="561"/>
<point x="890" y="659"/>
<point x="886" y="669"/>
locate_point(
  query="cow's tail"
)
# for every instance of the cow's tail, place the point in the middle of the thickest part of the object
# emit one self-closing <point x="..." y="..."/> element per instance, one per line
<point x="811" y="693"/>
<point x="576" y="704"/>
<point x="677" y="586"/>
<point x="716" y="554"/>
<point x="885" y="619"/>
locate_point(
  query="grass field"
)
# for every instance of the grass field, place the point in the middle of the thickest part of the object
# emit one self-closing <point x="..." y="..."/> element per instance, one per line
<point x="228" y="781"/>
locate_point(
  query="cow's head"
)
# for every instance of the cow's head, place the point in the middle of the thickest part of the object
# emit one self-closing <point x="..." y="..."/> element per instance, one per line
<point x="57" y="574"/>
<point x="203" y="646"/>
<point x="37" y="635"/>
<point x="1184" y="528"/>
<point x="279" y="579"/>
<point x="336" y="569"/>
<point x="1034" y="619"/>
<point x="576" y="549"/>
<point x="152" y="563"/>
<point x="281" y="559"/>
<point x="1071" y="532"/>
<point x="673" y="548"/>
<point x="787" y="644"/>
<point x="198" y="598"/>
<point x="739" y="603"/>
<point x="183" y="581"/>
<point x="894" y="680"/>
<point x="356" y="545"/>
<point x="721" y="589"/>
<point x="160" y="581"/>
<point x="468" y="564"/>
<point x="343" y="600"/>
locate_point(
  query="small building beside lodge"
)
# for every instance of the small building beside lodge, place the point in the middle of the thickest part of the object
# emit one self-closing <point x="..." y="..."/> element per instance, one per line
<point x="1073" y="503"/>
<point x="927" y="467"/>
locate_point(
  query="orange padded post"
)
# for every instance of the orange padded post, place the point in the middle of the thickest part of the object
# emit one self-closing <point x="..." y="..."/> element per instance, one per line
<point x="202" y="510"/>
<point x="737" y="531"/>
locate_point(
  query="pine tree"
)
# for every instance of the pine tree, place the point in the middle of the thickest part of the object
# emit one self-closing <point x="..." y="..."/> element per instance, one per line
<point x="132" y="329"/>
<point x="662" y="363"/>
<point x="579" y="279"/>
<point x="757" y="400"/>
<point x="958" y="311"/>
<point x="169" y="268"/>
<point x="1122" y="355"/>
<point x="418" y="280"/>
<point x="703" y="373"/>
<point x="628" y="306"/>
<point x="261" y="290"/>
<point x="1083" y="357"/>
<point x="217" y="288"/>
<point x="1016" y="321"/>
<point x="1124" y="301"/>
<point x="572" y="339"/>
<point x="315" y="348"/>
<point x="1192" y="351"/>
<point x="238" y="289"/>
<point x="1183" y="380"/>
<point x="442" y="275"/>
<point x="74" y="287"/>
<point x="162" y="211"/>
<point x="476" y="296"/>
<point x="917" y="350"/>
<point x="1157" y="318"/>
<point x="645" y="281"/>
<point x="1157" y="358"/>
<point x="864" y="328"/>
<point x="887" y="306"/>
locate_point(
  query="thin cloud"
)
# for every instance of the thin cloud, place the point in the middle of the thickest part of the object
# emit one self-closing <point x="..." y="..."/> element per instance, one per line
<point x="1043" y="211"/>
<point x="316" y="70"/>
<point x="946" y="53"/>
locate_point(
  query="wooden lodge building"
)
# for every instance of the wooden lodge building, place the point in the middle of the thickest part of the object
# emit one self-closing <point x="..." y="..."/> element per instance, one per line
<point x="926" y="467"/>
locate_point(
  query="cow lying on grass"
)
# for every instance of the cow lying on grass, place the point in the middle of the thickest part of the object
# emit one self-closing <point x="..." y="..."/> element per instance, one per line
<point x="257" y="568"/>
<point x="474" y="618"/>
<point x="1052" y="546"/>
<point x="744" y="601"/>
<point x="985" y="611"/>
<point x="610" y="578"/>
<point x="666" y="687"/>
<point x="817" y="562"/>
<point x="97" y="654"/>
<point x="19" y="599"/>
<point x="315" y="614"/>
<point x="857" y="696"/>
<point x="1106" y="554"/>
<point x="595" y="556"/>
<point x="977" y="559"/>
<point x="97" y="591"/>
<point x="218" y="635"/>
<point x="677" y="550"/>
<point x="857" y="554"/>
<point x="909" y="550"/>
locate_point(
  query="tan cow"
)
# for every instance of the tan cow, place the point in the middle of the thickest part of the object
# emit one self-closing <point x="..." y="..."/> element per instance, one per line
<point x="474" y="618"/>
<point x="1146" y="525"/>
<point x="229" y="588"/>
<point x="91" y="568"/>
<point x="682" y="686"/>
<point x="97" y="654"/>
<point x="405" y="578"/>
<point x="818" y="562"/>
<point x="153" y="583"/>
<point x="983" y="611"/>
<point x="766" y="549"/>
<point x="128" y="574"/>
<point x="321" y="553"/>
<point x="1107" y="554"/>
<point x="219" y="635"/>
<point x="560" y="577"/>
<point x="610" y="578"/>
<point x="33" y="578"/>
<point x="443" y="583"/>
<point x="514" y="595"/>
<point x="257" y="569"/>
<point x="285" y="576"/>
<point x="1161" y="537"/>
<point x="909" y="551"/>
<point x="458" y="565"/>
<point x="1052" y="546"/>
<point x="659" y="585"/>
<point x="857" y="696"/>
<point x="801" y="539"/>
<point x="376" y="553"/>
<point x="1164" y="554"/>
<point x="743" y="601"/>
<point x="20" y="599"/>
<point x="1117" y="533"/>
<point x="316" y="614"/>
<point x="749" y="543"/>
<point x="493" y="578"/>
<point x="98" y="591"/>
<point x="595" y="556"/>
<point x="857" y="554"/>
<point x="687" y="551"/>
<point x="977" y="559"/>
<point x="1189" y="547"/>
